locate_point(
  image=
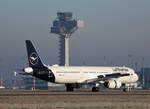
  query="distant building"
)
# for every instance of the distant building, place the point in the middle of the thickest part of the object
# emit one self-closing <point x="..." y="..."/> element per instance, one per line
<point x="145" y="78"/>
<point x="56" y="87"/>
<point x="1" y="82"/>
<point x="2" y="87"/>
<point x="139" y="73"/>
<point x="31" y="83"/>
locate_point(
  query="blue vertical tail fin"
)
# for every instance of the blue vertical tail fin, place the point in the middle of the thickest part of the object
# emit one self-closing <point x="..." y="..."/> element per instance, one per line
<point x="33" y="57"/>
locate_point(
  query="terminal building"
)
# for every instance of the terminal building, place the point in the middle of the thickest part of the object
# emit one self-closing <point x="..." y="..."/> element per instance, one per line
<point x="145" y="78"/>
<point x="32" y="83"/>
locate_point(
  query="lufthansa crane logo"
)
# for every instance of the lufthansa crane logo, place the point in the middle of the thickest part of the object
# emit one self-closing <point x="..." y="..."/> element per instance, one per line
<point x="33" y="58"/>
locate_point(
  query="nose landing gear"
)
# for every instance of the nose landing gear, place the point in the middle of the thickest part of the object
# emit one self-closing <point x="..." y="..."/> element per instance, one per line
<point x="95" y="88"/>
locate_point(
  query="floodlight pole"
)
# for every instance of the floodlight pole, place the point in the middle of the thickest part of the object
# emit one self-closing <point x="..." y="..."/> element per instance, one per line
<point x="66" y="50"/>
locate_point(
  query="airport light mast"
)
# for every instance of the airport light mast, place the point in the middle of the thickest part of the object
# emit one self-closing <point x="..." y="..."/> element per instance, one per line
<point x="64" y="26"/>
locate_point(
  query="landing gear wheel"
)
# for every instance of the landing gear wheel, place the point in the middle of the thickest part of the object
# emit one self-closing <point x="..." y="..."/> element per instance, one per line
<point x="69" y="88"/>
<point x="95" y="89"/>
<point x="124" y="90"/>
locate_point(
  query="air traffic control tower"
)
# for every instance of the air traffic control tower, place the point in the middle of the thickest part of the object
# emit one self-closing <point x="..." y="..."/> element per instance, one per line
<point x="64" y="26"/>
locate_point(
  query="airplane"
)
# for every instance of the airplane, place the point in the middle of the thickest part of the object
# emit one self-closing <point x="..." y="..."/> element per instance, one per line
<point x="77" y="76"/>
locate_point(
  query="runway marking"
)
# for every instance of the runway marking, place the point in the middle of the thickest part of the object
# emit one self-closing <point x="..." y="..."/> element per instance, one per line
<point x="48" y="93"/>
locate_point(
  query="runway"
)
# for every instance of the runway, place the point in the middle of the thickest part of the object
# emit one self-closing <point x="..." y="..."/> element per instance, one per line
<point x="75" y="93"/>
<point x="74" y="100"/>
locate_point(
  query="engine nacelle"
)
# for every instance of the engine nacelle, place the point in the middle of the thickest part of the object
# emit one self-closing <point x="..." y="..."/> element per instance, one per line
<point x="112" y="83"/>
<point x="28" y="70"/>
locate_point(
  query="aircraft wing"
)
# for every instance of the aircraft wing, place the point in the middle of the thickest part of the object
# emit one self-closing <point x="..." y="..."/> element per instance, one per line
<point x="101" y="78"/>
<point x="114" y="75"/>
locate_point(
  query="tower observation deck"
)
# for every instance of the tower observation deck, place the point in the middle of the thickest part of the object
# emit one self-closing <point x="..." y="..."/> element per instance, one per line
<point x="64" y="26"/>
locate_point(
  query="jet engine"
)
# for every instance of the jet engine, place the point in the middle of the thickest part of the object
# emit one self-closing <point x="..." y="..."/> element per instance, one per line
<point x="112" y="83"/>
<point x="28" y="70"/>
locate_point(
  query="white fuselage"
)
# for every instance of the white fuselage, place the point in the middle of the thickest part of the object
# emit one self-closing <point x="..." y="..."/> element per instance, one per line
<point x="81" y="74"/>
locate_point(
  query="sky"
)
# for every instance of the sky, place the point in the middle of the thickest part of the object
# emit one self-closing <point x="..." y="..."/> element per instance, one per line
<point x="118" y="30"/>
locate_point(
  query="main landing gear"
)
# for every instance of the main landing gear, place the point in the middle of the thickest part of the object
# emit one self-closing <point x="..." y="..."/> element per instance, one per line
<point x="69" y="88"/>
